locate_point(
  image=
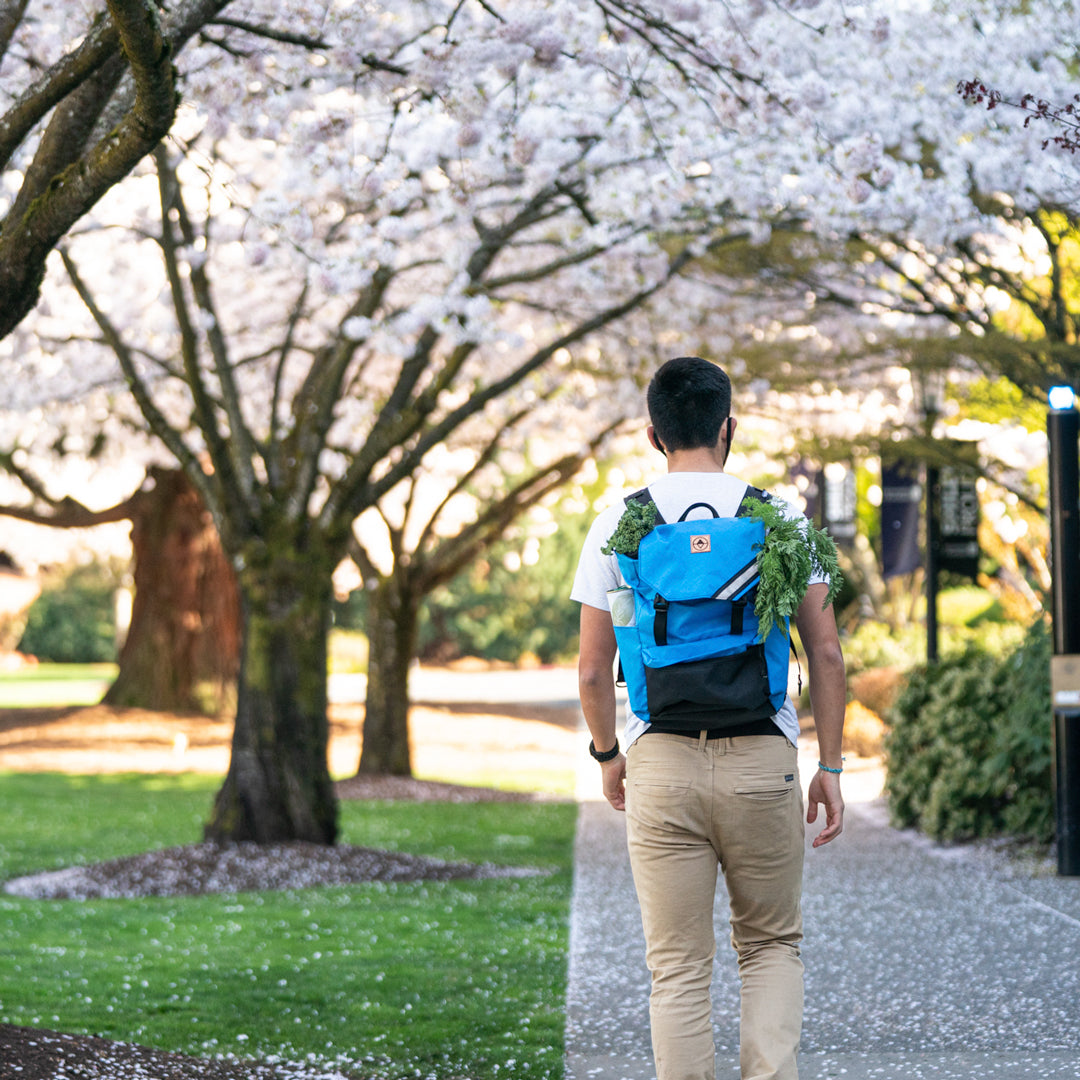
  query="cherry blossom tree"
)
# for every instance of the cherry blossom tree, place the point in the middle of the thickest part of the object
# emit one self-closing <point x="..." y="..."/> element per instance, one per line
<point x="422" y="217"/>
<point x="965" y="223"/>
<point x="953" y="228"/>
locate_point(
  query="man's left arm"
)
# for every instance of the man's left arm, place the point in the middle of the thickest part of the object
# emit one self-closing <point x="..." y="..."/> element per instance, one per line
<point x="828" y="698"/>
<point x="596" y="687"/>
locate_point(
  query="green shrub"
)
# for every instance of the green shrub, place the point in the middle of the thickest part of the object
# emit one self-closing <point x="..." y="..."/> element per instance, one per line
<point x="968" y="754"/>
<point x="502" y="607"/>
<point x="73" y="621"/>
<point x="875" y="645"/>
<point x="968" y="605"/>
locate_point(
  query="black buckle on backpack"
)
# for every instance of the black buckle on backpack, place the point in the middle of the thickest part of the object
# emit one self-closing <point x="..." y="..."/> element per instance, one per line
<point x="738" y="609"/>
<point x="660" y="606"/>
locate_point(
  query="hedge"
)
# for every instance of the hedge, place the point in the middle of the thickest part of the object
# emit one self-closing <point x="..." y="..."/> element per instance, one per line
<point x="969" y="751"/>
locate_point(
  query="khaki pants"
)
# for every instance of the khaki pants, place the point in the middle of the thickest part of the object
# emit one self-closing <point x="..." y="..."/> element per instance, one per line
<point x="694" y="805"/>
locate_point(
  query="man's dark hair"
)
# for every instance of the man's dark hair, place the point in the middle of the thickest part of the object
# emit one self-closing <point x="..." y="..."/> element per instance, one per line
<point x="689" y="399"/>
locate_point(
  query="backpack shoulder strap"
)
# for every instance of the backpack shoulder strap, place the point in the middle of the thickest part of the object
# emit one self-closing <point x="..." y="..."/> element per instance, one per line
<point x="751" y="493"/>
<point x="644" y="496"/>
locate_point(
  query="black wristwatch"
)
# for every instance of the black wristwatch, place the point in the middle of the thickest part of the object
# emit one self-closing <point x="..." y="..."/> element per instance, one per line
<point x="607" y="755"/>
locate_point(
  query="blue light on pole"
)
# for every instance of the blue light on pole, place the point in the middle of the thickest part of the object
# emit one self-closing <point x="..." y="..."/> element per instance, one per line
<point x="1062" y="397"/>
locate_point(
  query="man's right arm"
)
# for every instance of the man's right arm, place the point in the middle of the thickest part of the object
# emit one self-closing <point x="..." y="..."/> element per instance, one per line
<point x="596" y="686"/>
<point x="828" y="699"/>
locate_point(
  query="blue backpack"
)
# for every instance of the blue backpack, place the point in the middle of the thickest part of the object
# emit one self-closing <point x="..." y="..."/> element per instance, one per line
<point x="688" y="650"/>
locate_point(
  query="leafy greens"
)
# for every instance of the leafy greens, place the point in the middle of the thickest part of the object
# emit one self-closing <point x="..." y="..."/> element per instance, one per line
<point x="637" y="522"/>
<point x="792" y="551"/>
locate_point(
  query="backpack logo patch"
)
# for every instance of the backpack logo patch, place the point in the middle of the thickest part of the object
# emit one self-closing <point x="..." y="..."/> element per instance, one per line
<point x="700" y="543"/>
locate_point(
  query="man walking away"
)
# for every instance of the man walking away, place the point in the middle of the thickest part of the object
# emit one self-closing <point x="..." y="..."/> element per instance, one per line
<point x="722" y="794"/>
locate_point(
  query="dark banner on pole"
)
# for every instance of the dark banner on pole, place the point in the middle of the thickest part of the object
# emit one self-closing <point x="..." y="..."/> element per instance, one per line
<point x="958" y="547"/>
<point x="837" y="486"/>
<point x="901" y="495"/>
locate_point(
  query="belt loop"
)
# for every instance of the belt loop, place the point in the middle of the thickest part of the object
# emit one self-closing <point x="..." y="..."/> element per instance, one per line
<point x="703" y="738"/>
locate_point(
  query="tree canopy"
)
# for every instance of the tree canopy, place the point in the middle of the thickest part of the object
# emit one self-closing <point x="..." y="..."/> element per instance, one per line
<point x="373" y="227"/>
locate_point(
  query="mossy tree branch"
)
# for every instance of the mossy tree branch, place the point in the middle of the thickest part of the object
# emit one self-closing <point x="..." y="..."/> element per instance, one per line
<point x="62" y="190"/>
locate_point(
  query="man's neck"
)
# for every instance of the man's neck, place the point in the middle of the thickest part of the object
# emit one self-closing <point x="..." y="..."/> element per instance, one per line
<point x="702" y="459"/>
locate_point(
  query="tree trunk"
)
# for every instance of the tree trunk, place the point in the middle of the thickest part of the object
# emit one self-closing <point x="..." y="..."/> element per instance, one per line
<point x="278" y="787"/>
<point x="183" y="646"/>
<point x="392" y="636"/>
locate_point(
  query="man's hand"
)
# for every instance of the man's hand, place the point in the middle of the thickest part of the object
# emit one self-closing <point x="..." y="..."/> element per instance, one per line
<point x="825" y="788"/>
<point x="614" y="780"/>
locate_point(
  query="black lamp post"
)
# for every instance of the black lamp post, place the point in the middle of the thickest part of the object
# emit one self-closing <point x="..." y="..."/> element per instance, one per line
<point x="1063" y="426"/>
<point x="1063" y="429"/>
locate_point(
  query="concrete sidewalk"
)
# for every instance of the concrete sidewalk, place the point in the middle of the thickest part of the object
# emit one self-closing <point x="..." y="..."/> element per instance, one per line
<point x="922" y="962"/>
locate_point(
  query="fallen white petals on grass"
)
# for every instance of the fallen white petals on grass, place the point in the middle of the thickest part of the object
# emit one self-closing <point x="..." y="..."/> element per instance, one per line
<point x="197" y="869"/>
<point x="37" y="1054"/>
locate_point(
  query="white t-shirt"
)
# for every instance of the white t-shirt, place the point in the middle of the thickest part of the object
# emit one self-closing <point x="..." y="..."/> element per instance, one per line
<point x="672" y="493"/>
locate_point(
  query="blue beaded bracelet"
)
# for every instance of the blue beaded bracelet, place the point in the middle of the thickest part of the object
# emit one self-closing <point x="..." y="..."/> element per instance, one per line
<point x="835" y="772"/>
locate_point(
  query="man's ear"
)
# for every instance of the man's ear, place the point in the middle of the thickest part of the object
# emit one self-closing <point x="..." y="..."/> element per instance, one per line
<point x="650" y="431"/>
<point x="727" y="431"/>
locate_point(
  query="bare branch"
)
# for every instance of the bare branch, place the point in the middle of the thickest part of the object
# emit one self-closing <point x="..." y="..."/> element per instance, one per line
<point x="1066" y="115"/>
<point x="483" y="459"/>
<point x="459" y="551"/>
<point x="313" y="406"/>
<point x="67" y="513"/>
<point x="268" y="32"/>
<point x="69" y="72"/>
<point x="358" y="553"/>
<point x="10" y="16"/>
<point x="270" y="455"/>
<point x="239" y="446"/>
<point x="155" y="418"/>
<point x="205" y="410"/>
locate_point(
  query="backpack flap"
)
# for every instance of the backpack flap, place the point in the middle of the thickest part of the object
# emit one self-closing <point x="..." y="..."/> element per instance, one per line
<point x="701" y="560"/>
<point x="704" y="574"/>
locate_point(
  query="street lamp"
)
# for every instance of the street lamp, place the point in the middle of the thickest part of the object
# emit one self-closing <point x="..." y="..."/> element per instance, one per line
<point x="1063" y="431"/>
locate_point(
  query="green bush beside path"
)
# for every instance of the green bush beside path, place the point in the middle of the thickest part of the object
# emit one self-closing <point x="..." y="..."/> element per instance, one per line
<point x="969" y="750"/>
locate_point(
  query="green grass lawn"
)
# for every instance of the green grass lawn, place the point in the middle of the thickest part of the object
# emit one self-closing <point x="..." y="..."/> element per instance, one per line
<point x="50" y="685"/>
<point x="432" y="980"/>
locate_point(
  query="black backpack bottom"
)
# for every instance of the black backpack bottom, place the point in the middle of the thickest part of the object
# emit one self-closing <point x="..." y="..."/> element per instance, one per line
<point x="718" y="692"/>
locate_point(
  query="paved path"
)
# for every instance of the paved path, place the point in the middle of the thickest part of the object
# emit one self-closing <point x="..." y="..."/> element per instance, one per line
<point x="922" y="962"/>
